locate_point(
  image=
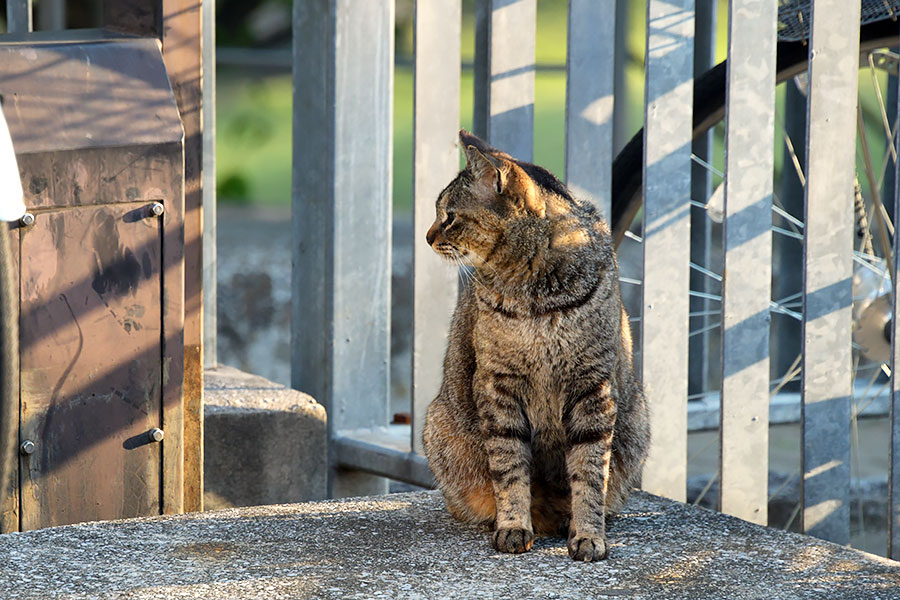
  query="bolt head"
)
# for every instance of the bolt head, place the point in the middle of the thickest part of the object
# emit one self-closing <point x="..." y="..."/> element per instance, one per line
<point x="27" y="219"/>
<point x="27" y="447"/>
<point x="157" y="209"/>
<point x="156" y="434"/>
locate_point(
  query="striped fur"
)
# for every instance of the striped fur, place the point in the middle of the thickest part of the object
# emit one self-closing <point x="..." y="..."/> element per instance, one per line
<point x="540" y="425"/>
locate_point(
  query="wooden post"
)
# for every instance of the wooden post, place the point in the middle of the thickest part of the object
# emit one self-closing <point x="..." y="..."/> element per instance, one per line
<point x="182" y="35"/>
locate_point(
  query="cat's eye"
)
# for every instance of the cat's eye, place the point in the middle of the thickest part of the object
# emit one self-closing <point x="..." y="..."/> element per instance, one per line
<point x="448" y="220"/>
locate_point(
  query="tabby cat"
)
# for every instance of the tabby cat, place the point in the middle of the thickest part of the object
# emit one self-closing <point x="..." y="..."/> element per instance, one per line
<point x="540" y="425"/>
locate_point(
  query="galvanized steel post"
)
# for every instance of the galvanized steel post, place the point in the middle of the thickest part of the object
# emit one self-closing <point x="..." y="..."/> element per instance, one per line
<point x="666" y="227"/>
<point x="590" y="78"/>
<point x="747" y="237"/>
<point x="826" y="386"/>
<point x="340" y="346"/>
<point x="435" y="162"/>
<point x="504" y="74"/>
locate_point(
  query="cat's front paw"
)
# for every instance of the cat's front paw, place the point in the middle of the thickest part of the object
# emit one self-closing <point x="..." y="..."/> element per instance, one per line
<point x="512" y="540"/>
<point x="587" y="548"/>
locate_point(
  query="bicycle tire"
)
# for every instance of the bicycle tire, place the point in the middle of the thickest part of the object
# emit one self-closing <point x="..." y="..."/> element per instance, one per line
<point x="709" y="109"/>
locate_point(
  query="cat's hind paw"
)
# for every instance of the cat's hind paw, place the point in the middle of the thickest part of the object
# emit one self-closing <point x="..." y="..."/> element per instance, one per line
<point x="587" y="549"/>
<point x="512" y="540"/>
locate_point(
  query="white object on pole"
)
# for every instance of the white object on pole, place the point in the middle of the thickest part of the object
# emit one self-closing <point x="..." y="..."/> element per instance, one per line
<point x="11" y="206"/>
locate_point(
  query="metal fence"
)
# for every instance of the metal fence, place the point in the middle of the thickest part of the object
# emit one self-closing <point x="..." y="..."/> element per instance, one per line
<point x="343" y="56"/>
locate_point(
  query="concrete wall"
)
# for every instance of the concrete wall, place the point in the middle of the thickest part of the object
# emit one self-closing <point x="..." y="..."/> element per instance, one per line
<point x="263" y="443"/>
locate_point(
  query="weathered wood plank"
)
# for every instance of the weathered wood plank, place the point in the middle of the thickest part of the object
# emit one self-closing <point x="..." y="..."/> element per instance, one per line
<point x="747" y="235"/>
<point x="436" y="161"/>
<point x="666" y="225"/>
<point x="826" y="386"/>
<point x="182" y="52"/>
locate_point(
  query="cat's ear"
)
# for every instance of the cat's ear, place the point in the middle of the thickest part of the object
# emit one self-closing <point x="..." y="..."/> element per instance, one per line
<point x="467" y="139"/>
<point x="487" y="170"/>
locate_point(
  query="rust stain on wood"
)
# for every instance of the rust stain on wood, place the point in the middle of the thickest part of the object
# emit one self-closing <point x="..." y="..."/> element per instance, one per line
<point x="182" y="52"/>
<point x="193" y="428"/>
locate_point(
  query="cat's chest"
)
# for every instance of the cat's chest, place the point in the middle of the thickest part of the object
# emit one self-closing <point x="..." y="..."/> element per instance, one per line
<point x="541" y="348"/>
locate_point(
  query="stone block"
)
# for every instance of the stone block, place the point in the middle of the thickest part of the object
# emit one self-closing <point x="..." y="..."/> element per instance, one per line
<point x="406" y="546"/>
<point x="263" y="443"/>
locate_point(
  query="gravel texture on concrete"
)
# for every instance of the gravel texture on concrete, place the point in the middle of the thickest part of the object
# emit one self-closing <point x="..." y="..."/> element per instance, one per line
<point x="407" y="546"/>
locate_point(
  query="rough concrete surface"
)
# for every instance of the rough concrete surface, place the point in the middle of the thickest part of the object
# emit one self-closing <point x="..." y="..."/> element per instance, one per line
<point x="407" y="546"/>
<point x="263" y="443"/>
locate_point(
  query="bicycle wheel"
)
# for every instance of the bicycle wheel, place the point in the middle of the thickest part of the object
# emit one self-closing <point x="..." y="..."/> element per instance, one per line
<point x="709" y="109"/>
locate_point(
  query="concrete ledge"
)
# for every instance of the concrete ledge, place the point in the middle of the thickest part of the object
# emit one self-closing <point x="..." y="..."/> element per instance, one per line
<point x="407" y="546"/>
<point x="263" y="443"/>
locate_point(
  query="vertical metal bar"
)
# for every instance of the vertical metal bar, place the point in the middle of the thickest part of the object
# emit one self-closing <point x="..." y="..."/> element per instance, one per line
<point x="343" y="82"/>
<point x="18" y="16"/>
<point x="666" y="223"/>
<point x="747" y="236"/>
<point x="52" y="15"/>
<point x="787" y="251"/>
<point x="893" y="549"/>
<point x="826" y="386"/>
<point x="622" y="102"/>
<point x="481" y="68"/>
<point x="504" y="74"/>
<point x="210" y="356"/>
<point x="590" y="79"/>
<point x="701" y="377"/>
<point x="438" y="26"/>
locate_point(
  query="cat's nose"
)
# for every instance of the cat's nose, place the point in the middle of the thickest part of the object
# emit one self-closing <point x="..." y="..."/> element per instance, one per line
<point x="432" y="233"/>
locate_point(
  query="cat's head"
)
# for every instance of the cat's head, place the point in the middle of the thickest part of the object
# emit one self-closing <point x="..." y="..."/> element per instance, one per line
<point x="491" y="203"/>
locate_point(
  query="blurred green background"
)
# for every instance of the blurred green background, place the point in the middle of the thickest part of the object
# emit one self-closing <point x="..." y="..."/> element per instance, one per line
<point x="253" y="149"/>
<point x="253" y="146"/>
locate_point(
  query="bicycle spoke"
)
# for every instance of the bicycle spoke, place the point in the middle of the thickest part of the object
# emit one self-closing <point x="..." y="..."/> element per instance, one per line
<point x="786" y="483"/>
<point x="705" y="313"/>
<point x="791" y="218"/>
<point x="873" y="189"/>
<point x="790" y="147"/>
<point x="884" y="118"/>
<point x="778" y="308"/>
<point x="785" y="232"/>
<point x="792" y="372"/>
<point x="707" y="166"/>
<point x="697" y="294"/>
<point x="631" y="281"/>
<point x="706" y="272"/>
<point x="705" y="489"/>
<point x="705" y="329"/>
